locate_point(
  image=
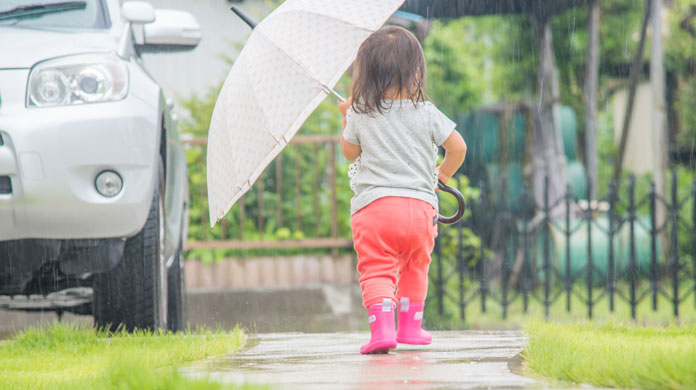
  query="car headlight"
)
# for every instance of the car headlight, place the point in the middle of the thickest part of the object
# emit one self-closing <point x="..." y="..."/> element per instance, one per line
<point x="86" y="78"/>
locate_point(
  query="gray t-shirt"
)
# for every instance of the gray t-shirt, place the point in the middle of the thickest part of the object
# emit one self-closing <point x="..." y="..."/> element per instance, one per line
<point x="399" y="152"/>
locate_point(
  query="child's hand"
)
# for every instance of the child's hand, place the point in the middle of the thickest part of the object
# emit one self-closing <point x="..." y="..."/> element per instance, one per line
<point x="344" y="106"/>
<point x="442" y="177"/>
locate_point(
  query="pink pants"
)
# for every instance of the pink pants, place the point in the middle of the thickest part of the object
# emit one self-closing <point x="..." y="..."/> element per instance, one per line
<point x="394" y="237"/>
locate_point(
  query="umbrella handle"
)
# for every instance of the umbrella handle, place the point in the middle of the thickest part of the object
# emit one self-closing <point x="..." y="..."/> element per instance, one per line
<point x="460" y="202"/>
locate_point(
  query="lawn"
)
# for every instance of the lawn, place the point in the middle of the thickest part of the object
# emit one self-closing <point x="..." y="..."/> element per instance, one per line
<point x="614" y="355"/>
<point x="80" y="358"/>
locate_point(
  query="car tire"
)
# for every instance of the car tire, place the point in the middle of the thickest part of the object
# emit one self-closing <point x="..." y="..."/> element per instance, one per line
<point x="176" y="287"/>
<point x="133" y="295"/>
<point x="111" y="294"/>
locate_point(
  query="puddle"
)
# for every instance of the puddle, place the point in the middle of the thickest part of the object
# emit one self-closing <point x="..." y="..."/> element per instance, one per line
<point x="466" y="360"/>
<point x="455" y="360"/>
<point x="516" y="365"/>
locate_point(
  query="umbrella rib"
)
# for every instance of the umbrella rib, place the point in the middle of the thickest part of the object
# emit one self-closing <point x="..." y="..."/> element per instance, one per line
<point x="297" y="62"/>
<point x="268" y="127"/>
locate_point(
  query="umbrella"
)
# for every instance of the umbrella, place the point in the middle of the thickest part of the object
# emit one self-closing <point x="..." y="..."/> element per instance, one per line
<point x="291" y="62"/>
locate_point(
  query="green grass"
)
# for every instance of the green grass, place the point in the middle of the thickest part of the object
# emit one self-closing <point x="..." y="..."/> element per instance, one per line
<point x="516" y="318"/>
<point x="614" y="355"/>
<point x="80" y="358"/>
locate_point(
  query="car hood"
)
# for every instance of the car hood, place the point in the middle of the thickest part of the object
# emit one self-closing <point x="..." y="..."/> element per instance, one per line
<point x="21" y="48"/>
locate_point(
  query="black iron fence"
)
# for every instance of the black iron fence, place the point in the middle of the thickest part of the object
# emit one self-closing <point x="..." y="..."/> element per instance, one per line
<point x="630" y="246"/>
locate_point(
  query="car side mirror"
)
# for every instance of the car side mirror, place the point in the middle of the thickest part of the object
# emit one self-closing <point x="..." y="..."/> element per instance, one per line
<point x="133" y="12"/>
<point x="138" y="12"/>
<point x="172" y="30"/>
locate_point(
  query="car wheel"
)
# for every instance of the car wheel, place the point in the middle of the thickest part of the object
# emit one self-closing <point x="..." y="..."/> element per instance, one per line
<point x="111" y="294"/>
<point x="176" y="300"/>
<point x="134" y="293"/>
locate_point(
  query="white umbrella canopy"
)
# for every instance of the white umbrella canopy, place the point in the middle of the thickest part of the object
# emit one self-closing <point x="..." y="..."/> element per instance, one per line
<point x="290" y="63"/>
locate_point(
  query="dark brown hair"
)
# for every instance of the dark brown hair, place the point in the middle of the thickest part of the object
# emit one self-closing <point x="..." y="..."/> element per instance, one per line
<point x="391" y="59"/>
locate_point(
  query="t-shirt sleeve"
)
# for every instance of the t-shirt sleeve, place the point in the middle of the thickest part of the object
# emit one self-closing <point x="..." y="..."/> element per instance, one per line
<point x="441" y="126"/>
<point x="350" y="133"/>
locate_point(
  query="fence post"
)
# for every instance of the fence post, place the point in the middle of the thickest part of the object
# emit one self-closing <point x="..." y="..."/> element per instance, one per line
<point x="525" y="260"/>
<point x="206" y="211"/>
<point x="505" y="271"/>
<point x="260" y="189"/>
<point x="675" y="245"/>
<point x="224" y="226"/>
<point x="547" y="260"/>
<point x="334" y="206"/>
<point x="481" y="266"/>
<point x="693" y="234"/>
<point x="279" y="188"/>
<point x="590" y="262"/>
<point x="315" y="191"/>
<point x="298" y="192"/>
<point x="504" y="277"/>
<point x="484" y="281"/>
<point x="612" y="215"/>
<point x="568" y="277"/>
<point x="439" y="283"/>
<point x="242" y="216"/>
<point x="461" y="265"/>
<point x="653" y="245"/>
<point x="632" y="271"/>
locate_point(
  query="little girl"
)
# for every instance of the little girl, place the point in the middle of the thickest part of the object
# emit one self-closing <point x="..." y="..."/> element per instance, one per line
<point x="392" y="135"/>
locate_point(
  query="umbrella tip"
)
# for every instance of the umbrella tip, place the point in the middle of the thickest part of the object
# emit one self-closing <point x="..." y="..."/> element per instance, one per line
<point x="248" y="20"/>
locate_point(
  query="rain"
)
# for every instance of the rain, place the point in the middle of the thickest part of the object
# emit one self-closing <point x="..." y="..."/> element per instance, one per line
<point x="155" y="173"/>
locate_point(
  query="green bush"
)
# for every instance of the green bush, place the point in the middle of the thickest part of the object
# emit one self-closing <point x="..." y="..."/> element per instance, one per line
<point x="304" y="188"/>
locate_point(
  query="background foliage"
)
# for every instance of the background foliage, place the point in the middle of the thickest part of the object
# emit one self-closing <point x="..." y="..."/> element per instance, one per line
<point x="471" y="62"/>
<point x="305" y="188"/>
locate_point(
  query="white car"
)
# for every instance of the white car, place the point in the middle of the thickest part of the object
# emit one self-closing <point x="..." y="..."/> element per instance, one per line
<point x="93" y="183"/>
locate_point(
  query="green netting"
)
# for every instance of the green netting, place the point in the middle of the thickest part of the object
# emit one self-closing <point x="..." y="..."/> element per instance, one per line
<point x="569" y="132"/>
<point x="487" y="125"/>
<point x="511" y="176"/>
<point x="481" y="131"/>
<point x="600" y="247"/>
<point x="577" y="179"/>
<point x="516" y="132"/>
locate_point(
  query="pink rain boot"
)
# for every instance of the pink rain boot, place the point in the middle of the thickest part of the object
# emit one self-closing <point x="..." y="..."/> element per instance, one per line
<point x="410" y="318"/>
<point x="381" y="320"/>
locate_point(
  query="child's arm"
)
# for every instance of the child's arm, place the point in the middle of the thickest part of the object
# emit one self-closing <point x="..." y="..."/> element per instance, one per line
<point x="350" y="151"/>
<point x="455" y="152"/>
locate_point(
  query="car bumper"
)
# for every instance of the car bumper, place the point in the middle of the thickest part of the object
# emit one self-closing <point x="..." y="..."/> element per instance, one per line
<point x="53" y="155"/>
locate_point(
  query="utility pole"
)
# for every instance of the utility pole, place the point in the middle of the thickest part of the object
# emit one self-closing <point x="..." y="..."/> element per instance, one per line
<point x="549" y="159"/>
<point x="636" y="67"/>
<point x="591" y="81"/>
<point x="657" y="80"/>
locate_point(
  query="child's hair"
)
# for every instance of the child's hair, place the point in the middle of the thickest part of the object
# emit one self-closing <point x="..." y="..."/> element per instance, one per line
<point x="391" y="59"/>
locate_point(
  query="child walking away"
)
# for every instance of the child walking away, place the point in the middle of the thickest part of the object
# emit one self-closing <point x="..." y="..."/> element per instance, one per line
<point x="392" y="134"/>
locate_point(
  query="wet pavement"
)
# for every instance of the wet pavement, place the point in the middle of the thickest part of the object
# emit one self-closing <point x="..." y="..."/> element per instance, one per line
<point x="455" y="360"/>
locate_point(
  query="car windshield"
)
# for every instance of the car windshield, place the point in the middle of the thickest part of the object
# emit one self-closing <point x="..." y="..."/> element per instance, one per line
<point x="92" y="15"/>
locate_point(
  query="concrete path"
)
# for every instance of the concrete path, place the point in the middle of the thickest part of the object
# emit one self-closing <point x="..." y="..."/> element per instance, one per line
<point x="455" y="360"/>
